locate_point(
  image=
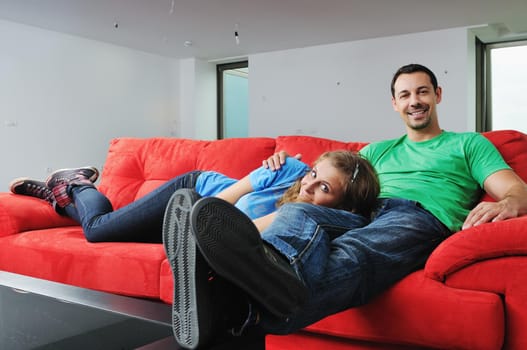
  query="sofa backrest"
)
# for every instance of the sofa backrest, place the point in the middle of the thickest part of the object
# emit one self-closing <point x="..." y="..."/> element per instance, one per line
<point x="512" y="145"/>
<point x="136" y="166"/>
<point x="311" y="147"/>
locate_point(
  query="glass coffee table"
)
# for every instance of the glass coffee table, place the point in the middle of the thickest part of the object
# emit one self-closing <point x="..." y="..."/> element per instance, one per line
<point x="40" y="314"/>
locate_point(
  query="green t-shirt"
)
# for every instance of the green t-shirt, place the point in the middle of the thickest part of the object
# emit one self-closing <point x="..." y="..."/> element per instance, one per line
<point x="444" y="174"/>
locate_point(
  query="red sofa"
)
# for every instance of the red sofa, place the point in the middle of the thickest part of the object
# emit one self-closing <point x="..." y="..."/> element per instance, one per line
<point x="472" y="293"/>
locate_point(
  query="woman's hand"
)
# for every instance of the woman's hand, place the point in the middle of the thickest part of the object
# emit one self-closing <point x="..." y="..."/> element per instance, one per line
<point x="276" y="161"/>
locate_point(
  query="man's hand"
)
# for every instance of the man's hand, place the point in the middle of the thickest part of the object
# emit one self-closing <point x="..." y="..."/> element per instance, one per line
<point x="510" y="193"/>
<point x="489" y="212"/>
<point x="276" y="161"/>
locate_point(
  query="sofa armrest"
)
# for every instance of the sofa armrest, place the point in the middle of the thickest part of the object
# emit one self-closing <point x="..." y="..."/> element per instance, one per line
<point x="487" y="241"/>
<point x="23" y="213"/>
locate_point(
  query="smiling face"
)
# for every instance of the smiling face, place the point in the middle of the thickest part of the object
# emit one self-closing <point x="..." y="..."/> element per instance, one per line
<point x="415" y="99"/>
<point x="322" y="185"/>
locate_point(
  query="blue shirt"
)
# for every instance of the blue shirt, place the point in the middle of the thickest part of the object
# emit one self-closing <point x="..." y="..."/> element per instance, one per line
<point x="268" y="186"/>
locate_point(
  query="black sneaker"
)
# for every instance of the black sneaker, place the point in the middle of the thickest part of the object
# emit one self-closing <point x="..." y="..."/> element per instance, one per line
<point x="33" y="188"/>
<point x="188" y="269"/>
<point x="59" y="180"/>
<point x="206" y="309"/>
<point x="88" y="174"/>
<point x="232" y="246"/>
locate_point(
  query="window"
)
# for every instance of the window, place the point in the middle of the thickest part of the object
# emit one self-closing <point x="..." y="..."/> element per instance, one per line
<point x="504" y="81"/>
<point x="233" y="99"/>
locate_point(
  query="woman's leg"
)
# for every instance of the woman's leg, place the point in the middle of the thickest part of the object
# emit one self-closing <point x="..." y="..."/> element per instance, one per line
<point x="139" y="221"/>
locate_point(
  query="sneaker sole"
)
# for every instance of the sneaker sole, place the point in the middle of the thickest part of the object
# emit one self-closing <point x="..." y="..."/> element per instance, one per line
<point x="232" y="246"/>
<point x="189" y="271"/>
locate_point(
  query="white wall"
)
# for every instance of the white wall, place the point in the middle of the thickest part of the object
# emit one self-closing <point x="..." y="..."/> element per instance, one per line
<point x="186" y="124"/>
<point x="206" y="105"/>
<point x="197" y="105"/>
<point x="342" y="91"/>
<point x="63" y="98"/>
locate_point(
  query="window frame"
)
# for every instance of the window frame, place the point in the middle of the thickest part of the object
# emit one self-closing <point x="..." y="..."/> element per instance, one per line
<point x="484" y="80"/>
<point x="220" y="69"/>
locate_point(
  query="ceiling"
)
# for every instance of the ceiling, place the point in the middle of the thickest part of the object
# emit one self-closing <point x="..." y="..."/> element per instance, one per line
<point x="206" y="29"/>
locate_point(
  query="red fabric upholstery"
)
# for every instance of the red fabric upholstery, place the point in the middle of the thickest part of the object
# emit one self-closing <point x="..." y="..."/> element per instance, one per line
<point x="487" y="241"/>
<point x="512" y="145"/>
<point x="311" y="147"/>
<point x="470" y="295"/>
<point x="21" y="213"/>
<point x="419" y="311"/>
<point x="134" y="167"/>
<point x="504" y="277"/>
<point x="235" y="157"/>
<point x="310" y="341"/>
<point x="63" y="255"/>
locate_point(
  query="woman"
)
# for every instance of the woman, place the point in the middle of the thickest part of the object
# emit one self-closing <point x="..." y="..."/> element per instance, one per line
<point x="329" y="183"/>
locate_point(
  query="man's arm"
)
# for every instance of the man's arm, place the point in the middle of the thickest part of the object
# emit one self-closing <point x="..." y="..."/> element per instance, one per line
<point x="510" y="193"/>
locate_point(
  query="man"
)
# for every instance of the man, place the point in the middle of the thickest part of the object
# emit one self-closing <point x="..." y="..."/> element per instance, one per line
<point x="430" y="181"/>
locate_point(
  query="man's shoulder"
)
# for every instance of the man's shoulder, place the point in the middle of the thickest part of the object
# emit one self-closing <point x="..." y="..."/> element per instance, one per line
<point x="375" y="149"/>
<point x="462" y="134"/>
<point x="466" y="137"/>
<point x="385" y="143"/>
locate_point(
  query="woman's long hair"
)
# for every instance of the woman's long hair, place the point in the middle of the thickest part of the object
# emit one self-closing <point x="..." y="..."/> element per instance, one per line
<point x="361" y="185"/>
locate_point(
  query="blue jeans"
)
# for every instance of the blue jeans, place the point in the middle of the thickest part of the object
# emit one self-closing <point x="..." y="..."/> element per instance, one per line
<point x="343" y="259"/>
<point x="139" y="221"/>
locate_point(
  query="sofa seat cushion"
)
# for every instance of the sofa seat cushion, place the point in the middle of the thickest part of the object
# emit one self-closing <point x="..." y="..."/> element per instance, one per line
<point x="421" y="311"/>
<point x="63" y="255"/>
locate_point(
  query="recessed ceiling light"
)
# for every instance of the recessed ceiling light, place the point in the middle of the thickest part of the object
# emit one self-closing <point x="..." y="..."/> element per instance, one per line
<point x="187" y="43"/>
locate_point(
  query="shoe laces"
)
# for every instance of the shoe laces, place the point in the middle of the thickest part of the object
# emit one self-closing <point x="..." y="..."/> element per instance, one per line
<point x="39" y="191"/>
